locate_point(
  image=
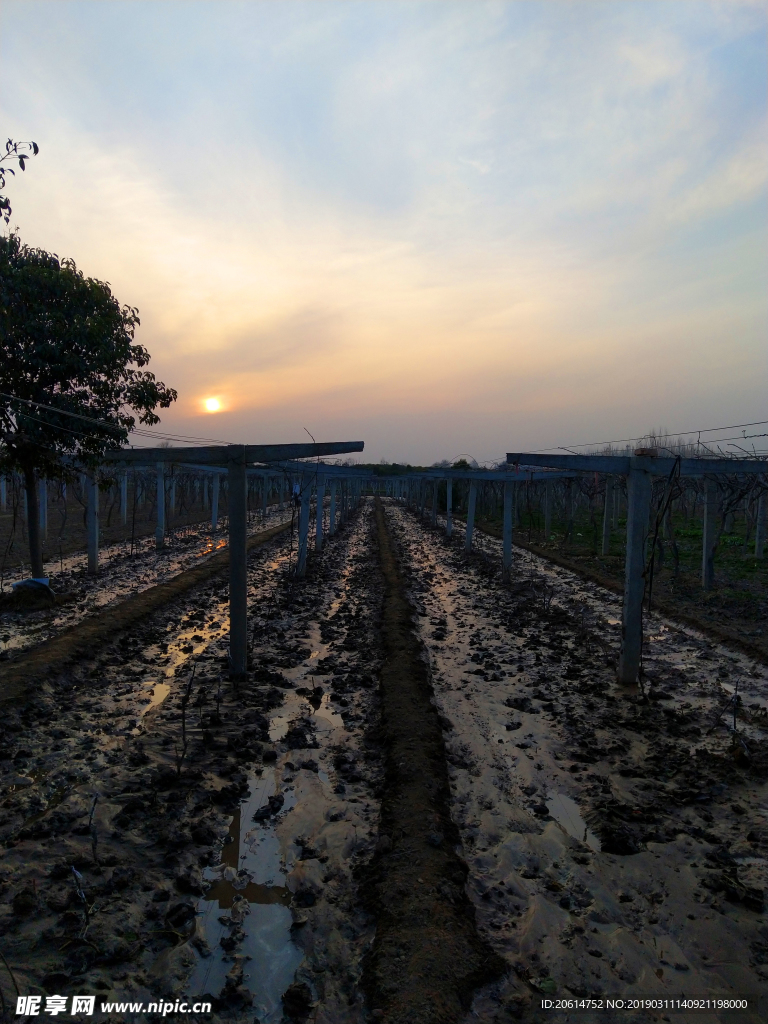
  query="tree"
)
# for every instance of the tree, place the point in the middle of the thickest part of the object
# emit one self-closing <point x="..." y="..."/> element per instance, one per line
<point x="14" y="151"/>
<point x="70" y="373"/>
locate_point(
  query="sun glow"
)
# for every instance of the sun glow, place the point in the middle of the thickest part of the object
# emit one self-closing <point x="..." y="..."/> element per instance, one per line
<point x="212" y="405"/>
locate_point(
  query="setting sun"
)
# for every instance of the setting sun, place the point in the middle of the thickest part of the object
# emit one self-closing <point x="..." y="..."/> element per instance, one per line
<point x="212" y="405"/>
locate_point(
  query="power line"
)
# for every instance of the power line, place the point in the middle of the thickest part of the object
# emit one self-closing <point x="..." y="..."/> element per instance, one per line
<point x="109" y="426"/>
<point x="63" y="412"/>
<point x="670" y="433"/>
<point x="177" y="437"/>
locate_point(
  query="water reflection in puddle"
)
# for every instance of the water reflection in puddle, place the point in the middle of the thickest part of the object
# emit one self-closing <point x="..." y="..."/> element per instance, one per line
<point x="249" y="893"/>
<point x="120" y="573"/>
<point x="249" y="890"/>
<point x="159" y="693"/>
<point x="567" y="815"/>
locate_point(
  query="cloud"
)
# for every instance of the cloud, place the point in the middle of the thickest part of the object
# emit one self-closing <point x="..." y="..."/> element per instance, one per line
<point x="404" y="210"/>
<point x="738" y="179"/>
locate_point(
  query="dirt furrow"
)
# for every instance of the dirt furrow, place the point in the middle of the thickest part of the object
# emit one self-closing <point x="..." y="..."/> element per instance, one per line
<point x="427" y="957"/>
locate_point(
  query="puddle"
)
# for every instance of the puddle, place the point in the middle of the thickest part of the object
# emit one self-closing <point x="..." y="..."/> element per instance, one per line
<point x="567" y="815"/>
<point x="249" y="893"/>
<point x="120" y="573"/>
<point x="159" y="694"/>
<point x="248" y="887"/>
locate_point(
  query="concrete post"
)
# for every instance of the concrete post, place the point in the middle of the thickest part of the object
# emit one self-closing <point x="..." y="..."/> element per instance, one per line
<point x="760" y="526"/>
<point x="238" y="566"/>
<point x="42" y="490"/>
<point x="215" y="502"/>
<point x="547" y="509"/>
<point x="3" y="494"/>
<point x="160" y="527"/>
<point x="506" y="531"/>
<point x="449" y="509"/>
<point x="639" y="503"/>
<point x="569" y="509"/>
<point x="319" y="513"/>
<point x="332" y="511"/>
<point x="301" y="561"/>
<point x="710" y="534"/>
<point x="434" y="502"/>
<point x="470" y="516"/>
<point x="92" y="522"/>
<point x="607" y="515"/>
<point x="124" y="496"/>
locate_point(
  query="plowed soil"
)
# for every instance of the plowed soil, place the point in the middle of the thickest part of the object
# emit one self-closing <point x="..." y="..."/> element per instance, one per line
<point x="427" y="958"/>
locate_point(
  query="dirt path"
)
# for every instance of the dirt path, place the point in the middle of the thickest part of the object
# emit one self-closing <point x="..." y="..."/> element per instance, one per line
<point x="427" y="958"/>
<point x="616" y="844"/>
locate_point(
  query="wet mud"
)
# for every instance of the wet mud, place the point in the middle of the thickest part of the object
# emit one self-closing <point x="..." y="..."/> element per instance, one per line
<point x="27" y="668"/>
<point x="123" y="569"/>
<point x="214" y="826"/>
<point x="729" y="613"/>
<point x="616" y="840"/>
<point x="427" y="958"/>
<point x="429" y="781"/>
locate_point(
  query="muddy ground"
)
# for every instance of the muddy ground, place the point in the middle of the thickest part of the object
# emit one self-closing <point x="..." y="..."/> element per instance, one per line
<point x="66" y="534"/>
<point x="735" y="610"/>
<point x="114" y="730"/>
<point x="123" y="570"/>
<point x="616" y="841"/>
<point x="250" y="841"/>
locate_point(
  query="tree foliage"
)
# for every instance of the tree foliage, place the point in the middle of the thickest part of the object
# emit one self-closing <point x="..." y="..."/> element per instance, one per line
<point x="68" y="344"/>
<point x="15" y="152"/>
<point x="72" y="379"/>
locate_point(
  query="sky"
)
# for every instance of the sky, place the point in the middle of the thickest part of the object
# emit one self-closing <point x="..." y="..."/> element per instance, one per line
<point x="441" y="228"/>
